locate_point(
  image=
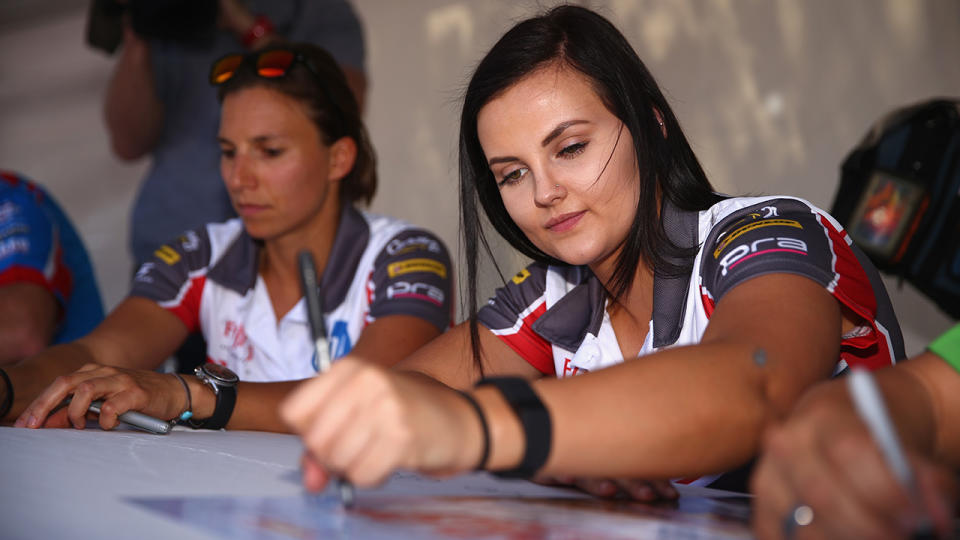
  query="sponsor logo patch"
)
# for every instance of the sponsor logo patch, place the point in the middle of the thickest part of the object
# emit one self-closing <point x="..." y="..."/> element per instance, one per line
<point x="167" y="254"/>
<point x="417" y="265"/>
<point x="143" y="274"/>
<point x="14" y="245"/>
<point x="190" y="241"/>
<point x="419" y="291"/>
<point x="239" y="348"/>
<point x="340" y="344"/>
<point x="8" y="211"/>
<point x="399" y="246"/>
<point x="752" y="227"/>
<point x="757" y="247"/>
<point x="520" y="277"/>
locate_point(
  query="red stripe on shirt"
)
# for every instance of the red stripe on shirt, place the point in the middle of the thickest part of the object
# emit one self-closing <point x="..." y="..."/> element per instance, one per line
<point x="854" y="291"/>
<point x="62" y="280"/>
<point x="188" y="310"/>
<point x="25" y="274"/>
<point x="529" y="345"/>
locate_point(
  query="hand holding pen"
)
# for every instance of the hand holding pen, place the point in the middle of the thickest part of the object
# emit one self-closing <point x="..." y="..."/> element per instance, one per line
<point x="870" y="406"/>
<point x="821" y="474"/>
<point x="311" y="294"/>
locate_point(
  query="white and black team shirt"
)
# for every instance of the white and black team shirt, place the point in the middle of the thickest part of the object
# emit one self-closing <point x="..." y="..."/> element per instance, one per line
<point x="555" y="316"/>
<point x="378" y="266"/>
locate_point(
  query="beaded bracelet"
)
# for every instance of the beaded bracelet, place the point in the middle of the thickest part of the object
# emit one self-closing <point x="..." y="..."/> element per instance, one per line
<point x="186" y="414"/>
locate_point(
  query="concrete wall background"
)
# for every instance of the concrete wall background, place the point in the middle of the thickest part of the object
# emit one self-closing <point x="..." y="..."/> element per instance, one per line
<point x="771" y="93"/>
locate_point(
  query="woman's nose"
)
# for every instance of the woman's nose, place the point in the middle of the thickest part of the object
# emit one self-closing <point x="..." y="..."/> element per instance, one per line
<point x="237" y="173"/>
<point x="548" y="191"/>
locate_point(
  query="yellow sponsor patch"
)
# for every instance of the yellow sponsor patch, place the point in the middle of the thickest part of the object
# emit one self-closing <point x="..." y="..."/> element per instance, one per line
<point x="753" y="226"/>
<point x="521" y="276"/>
<point x="417" y="265"/>
<point x="167" y="254"/>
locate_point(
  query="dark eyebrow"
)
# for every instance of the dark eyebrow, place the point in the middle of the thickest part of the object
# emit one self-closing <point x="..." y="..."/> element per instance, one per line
<point x="546" y="140"/>
<point x="559" y="129"/>
<point x="505" y="159"/>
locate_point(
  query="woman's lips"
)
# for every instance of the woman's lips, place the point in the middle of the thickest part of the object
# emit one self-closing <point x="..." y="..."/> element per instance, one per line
<point x="250" y="209"/>
<point x="565" y="222"/>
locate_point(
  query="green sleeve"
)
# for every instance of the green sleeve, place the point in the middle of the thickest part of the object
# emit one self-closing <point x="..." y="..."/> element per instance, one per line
<point x="947" y="346"/>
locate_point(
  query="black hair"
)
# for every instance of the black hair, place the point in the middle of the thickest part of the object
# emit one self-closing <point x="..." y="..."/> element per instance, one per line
<point x="577" y="38"/>
<point x="318" y="82"/>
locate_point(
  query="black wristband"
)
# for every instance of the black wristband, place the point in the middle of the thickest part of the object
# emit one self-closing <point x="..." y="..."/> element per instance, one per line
<point x="485" y="454"/>
<point x="535" y="420"/>
<point x="8" y="400"/>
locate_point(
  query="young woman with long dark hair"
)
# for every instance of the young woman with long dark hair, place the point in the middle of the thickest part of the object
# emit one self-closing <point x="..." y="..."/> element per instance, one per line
<point x="661" y="327"/>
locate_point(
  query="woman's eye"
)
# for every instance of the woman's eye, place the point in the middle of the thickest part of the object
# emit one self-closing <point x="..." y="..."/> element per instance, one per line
<point x="571" y="150"/>
<point x="513" y="176"/>
<point x="227" y="153"/>
<point x="272" y="152"/>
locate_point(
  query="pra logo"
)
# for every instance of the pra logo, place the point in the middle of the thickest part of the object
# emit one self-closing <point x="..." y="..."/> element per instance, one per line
<point x="747" y="251"/>
<point x="419" y="291"/>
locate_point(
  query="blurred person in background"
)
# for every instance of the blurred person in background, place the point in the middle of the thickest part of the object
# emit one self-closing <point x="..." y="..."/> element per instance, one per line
<point x="48" y="292"/>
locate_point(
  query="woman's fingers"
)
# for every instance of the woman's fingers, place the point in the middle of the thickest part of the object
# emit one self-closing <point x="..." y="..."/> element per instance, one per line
<point x="37" y="411"/>
<point x="120" y="391"/>
<point x="315" y="476"/>
<point x="363" y="421"/>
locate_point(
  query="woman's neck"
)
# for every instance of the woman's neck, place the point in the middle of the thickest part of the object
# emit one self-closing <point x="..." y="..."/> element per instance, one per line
<point x="279" y="265"/>
<point x="637" y="301"/>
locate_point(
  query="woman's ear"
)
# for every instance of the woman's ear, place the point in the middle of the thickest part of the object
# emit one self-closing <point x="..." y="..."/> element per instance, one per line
<point x="343" y="155"/>
<point x="659" y="115"/>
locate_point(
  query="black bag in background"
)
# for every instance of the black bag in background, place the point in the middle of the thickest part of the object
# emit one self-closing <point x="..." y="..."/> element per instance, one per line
<point x="899" y="198"/>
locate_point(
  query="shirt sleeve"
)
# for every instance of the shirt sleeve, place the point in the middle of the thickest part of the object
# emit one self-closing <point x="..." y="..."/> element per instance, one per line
<point x="514" y="308"/>
<point x="30" y="250"/>
<point x="174" y="276"/>
<point x="777" y="236"/>
<point x="412" y="275"/>
<point x="790" y="236"/>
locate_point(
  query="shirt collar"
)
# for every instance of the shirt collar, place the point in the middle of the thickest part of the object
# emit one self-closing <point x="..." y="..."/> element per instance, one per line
<point x="235" y="271"/>
<point x="567" y="323"/>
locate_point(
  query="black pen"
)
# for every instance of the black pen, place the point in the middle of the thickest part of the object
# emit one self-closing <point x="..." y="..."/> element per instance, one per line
<point x="311" y="295"/>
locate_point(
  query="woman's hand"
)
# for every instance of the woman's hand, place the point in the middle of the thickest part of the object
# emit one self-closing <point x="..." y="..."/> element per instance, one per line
<point x="363" y="422"/>
<point x="640" y="490"/>
<point x="121" y="390"/>
<point x="824" y="457"/>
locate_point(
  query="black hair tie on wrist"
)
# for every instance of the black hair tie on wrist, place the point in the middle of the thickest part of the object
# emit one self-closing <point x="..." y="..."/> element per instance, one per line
<point x="8" y="400"/>
<point x="485" y="453"/>
<point x="535" y="420"/>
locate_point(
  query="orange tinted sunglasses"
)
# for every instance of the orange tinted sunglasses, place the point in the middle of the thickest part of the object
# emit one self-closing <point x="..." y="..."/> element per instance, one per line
<point x="270" y="64"/>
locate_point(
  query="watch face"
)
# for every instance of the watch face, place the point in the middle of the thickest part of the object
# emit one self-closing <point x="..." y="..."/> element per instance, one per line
<point x="220" y="373"/>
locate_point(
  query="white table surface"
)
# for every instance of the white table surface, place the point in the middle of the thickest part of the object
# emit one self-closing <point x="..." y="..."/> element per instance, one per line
<point x="66" y="483"/>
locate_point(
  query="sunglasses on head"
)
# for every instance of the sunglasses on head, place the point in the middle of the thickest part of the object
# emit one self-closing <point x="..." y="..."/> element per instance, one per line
<point x="271" y="64"/>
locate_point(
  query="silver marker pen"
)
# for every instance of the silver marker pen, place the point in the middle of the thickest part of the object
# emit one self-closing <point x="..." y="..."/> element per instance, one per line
<point x="869" y="403"/>
<point x="132" y="418"/>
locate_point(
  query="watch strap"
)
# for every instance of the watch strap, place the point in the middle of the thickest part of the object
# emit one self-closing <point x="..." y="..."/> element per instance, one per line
<point x="226" y="396"/>
<point x="534" y="419"/>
